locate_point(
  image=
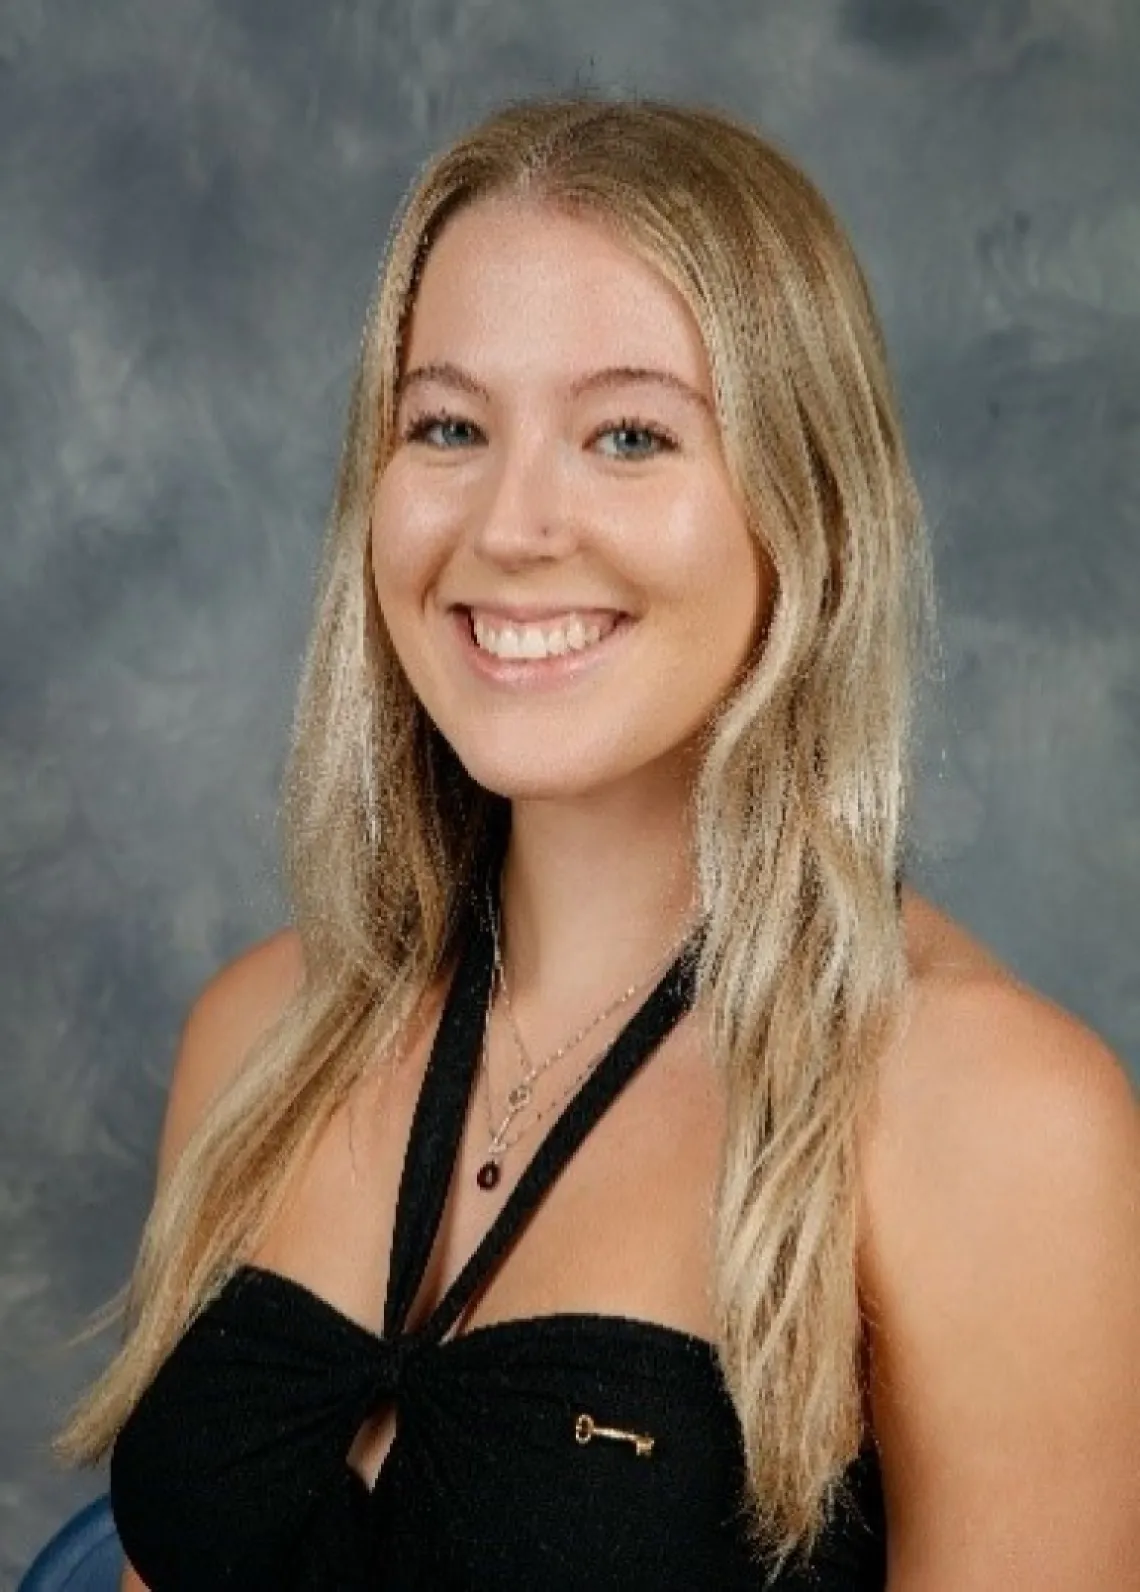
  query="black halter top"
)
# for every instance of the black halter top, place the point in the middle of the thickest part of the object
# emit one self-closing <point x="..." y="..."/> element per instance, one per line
<point x="516" y="1461"/>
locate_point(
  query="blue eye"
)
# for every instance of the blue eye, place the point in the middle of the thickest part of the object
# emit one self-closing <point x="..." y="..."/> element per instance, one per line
<point x="417" y="430"/>
<point x="420" y="429"/>
<point x="661" y="441"/>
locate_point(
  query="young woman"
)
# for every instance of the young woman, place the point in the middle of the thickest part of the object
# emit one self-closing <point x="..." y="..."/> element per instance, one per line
<point x="614" y="1177"/>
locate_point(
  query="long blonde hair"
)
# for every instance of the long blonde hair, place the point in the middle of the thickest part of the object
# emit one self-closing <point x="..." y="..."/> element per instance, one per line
<point x="799" y="808"/>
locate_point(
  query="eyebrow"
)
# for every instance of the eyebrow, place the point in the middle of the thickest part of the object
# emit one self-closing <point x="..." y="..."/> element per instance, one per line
<point x="446" y="374"/>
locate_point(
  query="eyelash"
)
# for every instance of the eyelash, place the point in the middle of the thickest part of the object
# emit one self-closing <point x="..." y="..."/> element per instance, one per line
<point x="417" y="428"/>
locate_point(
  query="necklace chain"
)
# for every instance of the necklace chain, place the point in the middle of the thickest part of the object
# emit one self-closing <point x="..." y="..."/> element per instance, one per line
<point x="521" y="1095"/>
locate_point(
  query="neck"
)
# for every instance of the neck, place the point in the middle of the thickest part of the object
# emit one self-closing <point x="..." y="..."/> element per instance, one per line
<point x="590" y="899"/>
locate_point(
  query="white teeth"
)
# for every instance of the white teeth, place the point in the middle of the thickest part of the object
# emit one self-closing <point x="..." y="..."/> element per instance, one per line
<point x="537" y="641"/>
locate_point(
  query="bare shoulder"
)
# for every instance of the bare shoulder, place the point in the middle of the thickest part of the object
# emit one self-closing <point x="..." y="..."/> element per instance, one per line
<point x="1001" y="1276"/>
<point x="230" y="1013"/>
<point x="977" y="1039"/>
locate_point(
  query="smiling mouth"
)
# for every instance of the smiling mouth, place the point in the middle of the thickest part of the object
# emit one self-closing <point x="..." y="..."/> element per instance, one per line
<point x="519" y="668"/>
<point x="515" y="642"/>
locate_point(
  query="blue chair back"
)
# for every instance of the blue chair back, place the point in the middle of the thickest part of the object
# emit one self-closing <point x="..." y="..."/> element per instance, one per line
<point x="83" y="1556"/>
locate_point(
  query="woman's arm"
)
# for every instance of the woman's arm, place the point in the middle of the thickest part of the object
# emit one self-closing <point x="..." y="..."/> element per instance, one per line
<point x="229" y="1015"/>
<point x="1005" y="1253"/>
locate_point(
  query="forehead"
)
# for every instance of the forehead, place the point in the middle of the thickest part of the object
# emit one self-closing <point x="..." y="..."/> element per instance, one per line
<point x="525" y="285"/>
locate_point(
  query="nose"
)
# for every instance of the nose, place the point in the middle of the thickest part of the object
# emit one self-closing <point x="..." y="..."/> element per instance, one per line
<point x="524" y="510"/>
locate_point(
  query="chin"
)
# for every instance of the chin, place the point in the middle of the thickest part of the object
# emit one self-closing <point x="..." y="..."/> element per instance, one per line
<point x="532" y="777"/>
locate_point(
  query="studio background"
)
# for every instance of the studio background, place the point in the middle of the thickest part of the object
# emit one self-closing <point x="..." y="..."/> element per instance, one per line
<point x="193" y="199"/>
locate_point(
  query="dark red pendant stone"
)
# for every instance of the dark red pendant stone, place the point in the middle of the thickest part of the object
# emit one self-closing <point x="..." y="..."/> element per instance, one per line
<point x="487" y="1175"/>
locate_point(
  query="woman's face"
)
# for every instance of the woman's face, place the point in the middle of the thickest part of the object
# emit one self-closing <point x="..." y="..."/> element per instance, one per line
<point x="535" y="471"/>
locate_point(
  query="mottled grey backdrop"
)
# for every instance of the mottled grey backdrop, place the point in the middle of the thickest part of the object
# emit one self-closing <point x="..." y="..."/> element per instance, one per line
<point x="193" y="195"/>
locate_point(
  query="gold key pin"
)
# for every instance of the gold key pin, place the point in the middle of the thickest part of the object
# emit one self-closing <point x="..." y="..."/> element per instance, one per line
<point x="585" y="1428"/>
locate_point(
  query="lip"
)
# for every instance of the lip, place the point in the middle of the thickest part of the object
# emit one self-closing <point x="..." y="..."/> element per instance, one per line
<point x="534" y="673"/>
<point x="533" y="616"/>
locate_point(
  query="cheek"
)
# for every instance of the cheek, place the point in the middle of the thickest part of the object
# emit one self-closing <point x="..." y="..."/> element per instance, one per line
<point x="721" y="573"/>
<point x="401" y="540"/>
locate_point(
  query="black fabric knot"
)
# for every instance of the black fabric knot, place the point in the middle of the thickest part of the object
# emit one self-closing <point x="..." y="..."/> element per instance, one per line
<point x="393" y="1357"/>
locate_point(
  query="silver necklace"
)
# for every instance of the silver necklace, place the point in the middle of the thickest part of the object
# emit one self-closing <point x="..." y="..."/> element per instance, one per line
<point x="521" y="1095"/>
